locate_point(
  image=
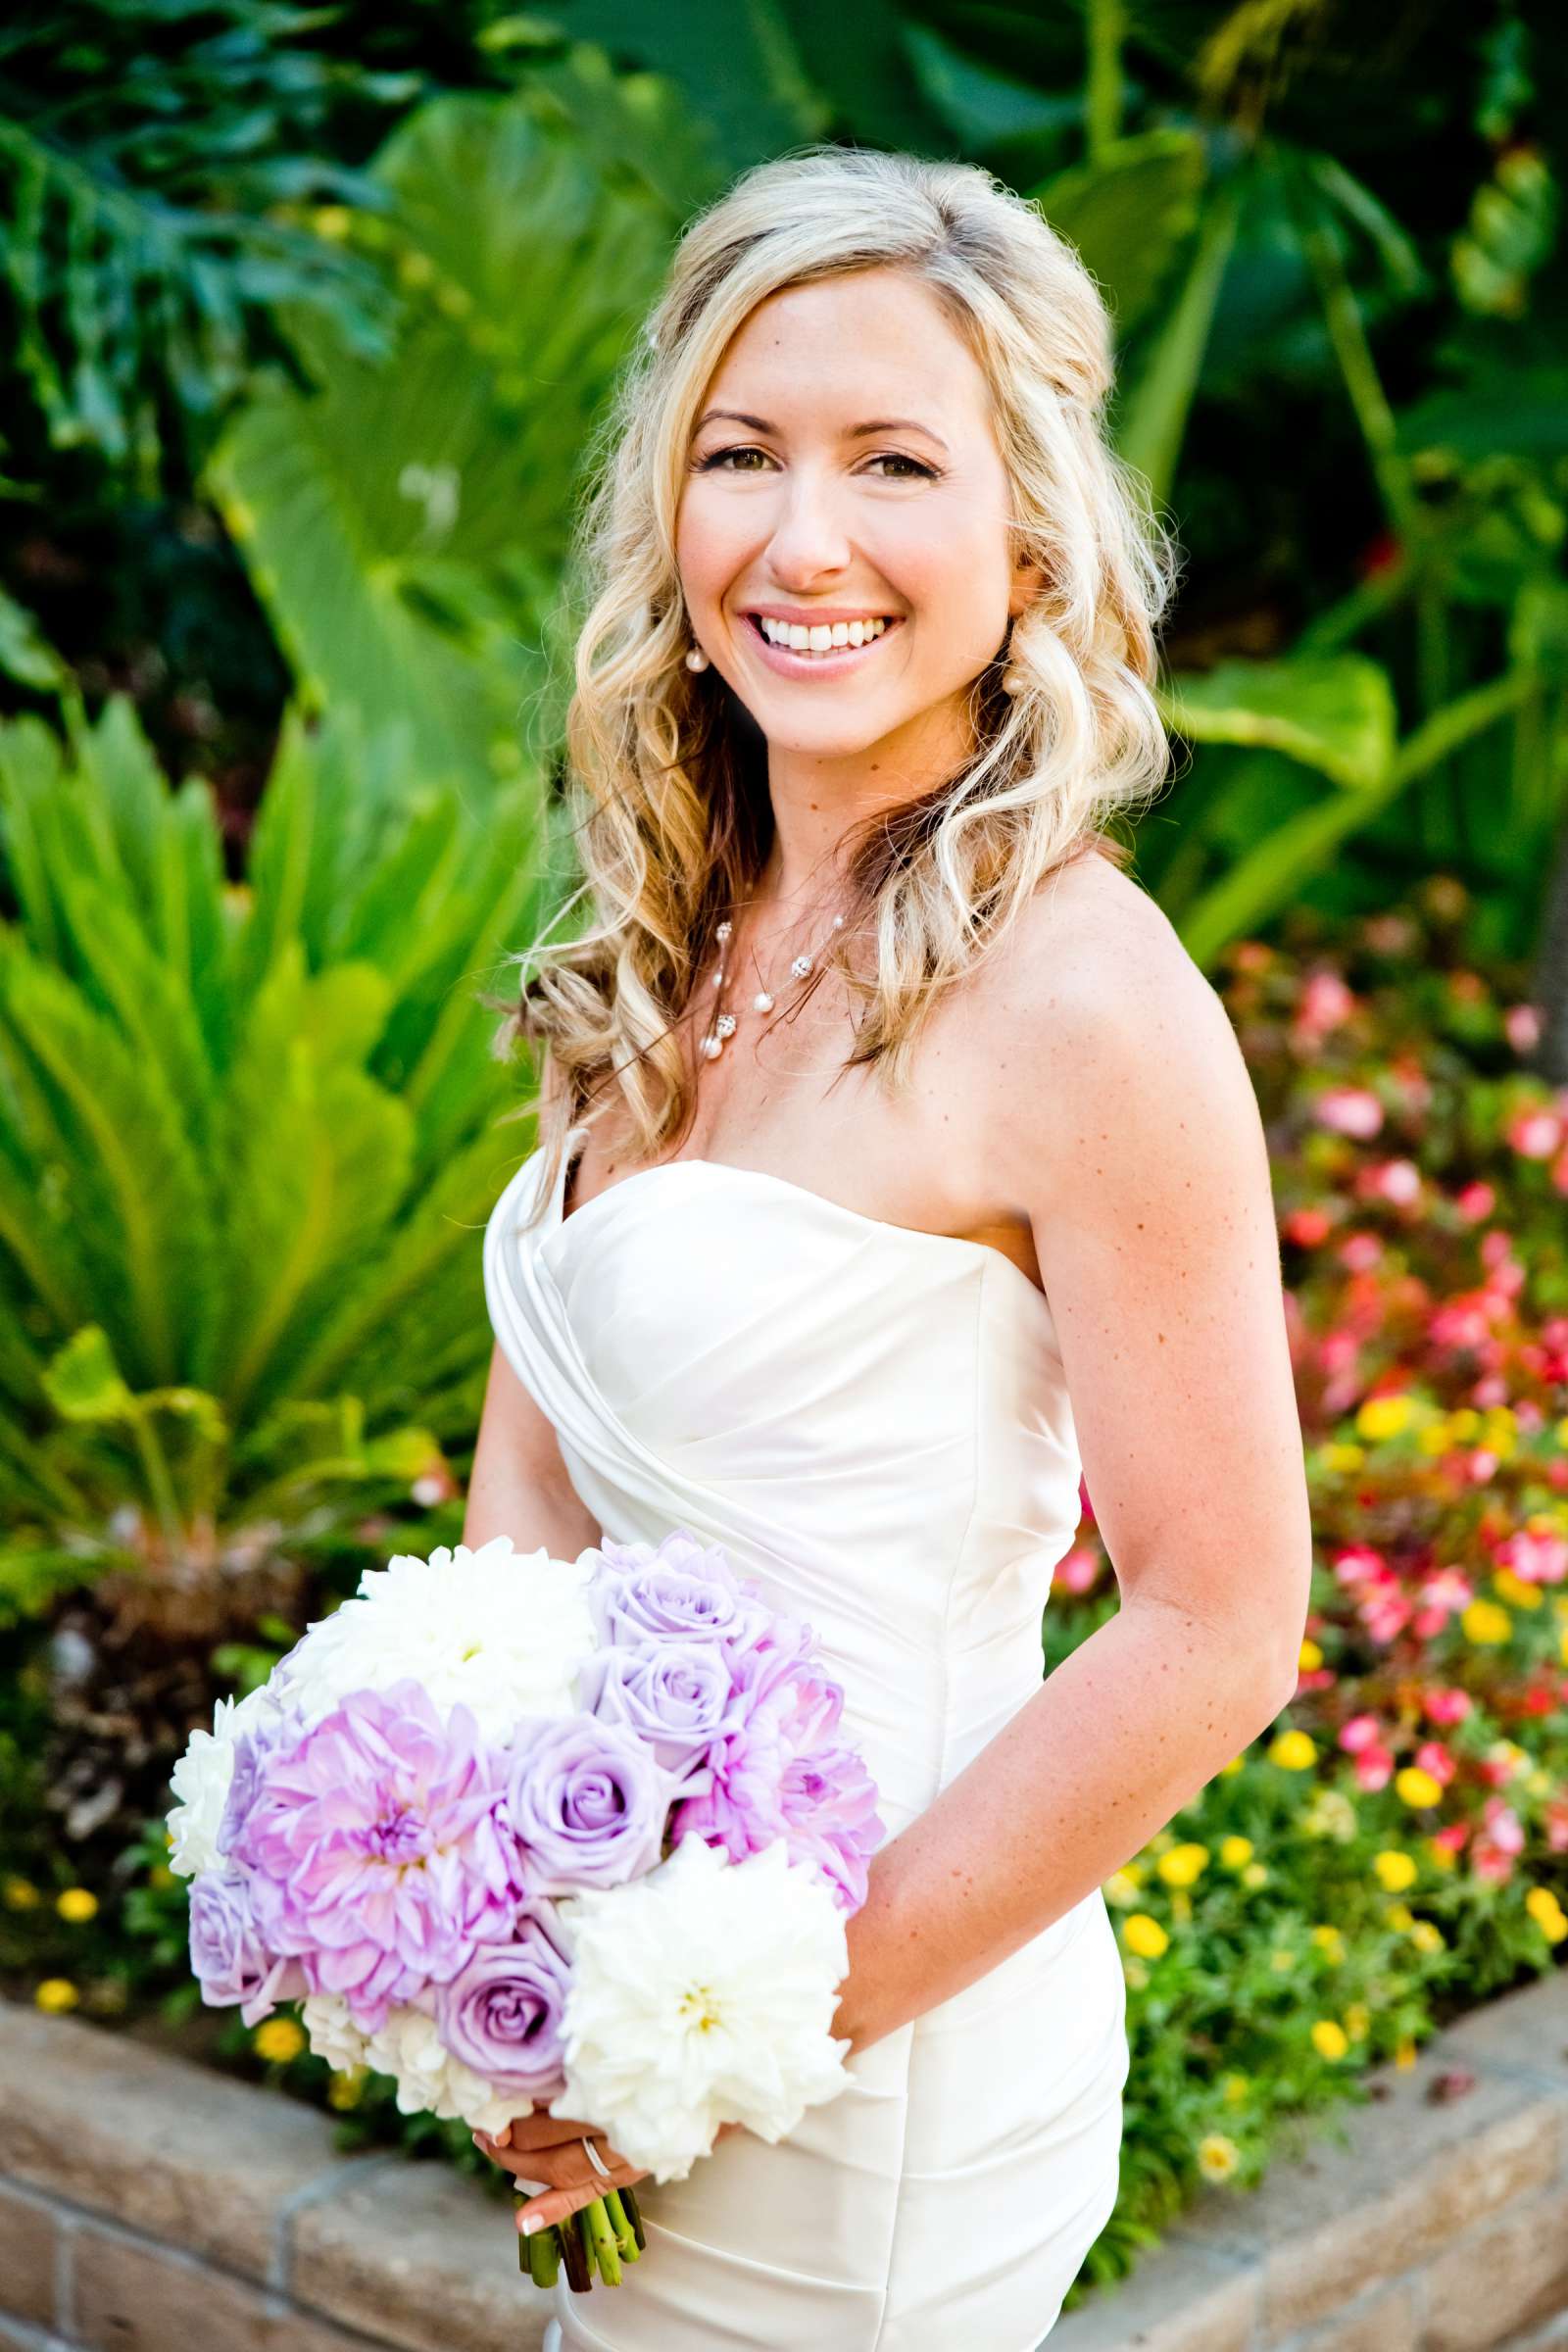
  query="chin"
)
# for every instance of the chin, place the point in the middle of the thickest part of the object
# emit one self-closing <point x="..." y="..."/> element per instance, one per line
<point x="843" y="738"/>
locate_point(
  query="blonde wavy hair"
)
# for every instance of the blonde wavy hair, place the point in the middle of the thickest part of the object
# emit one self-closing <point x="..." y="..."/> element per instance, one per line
<point x="668" y="778"/>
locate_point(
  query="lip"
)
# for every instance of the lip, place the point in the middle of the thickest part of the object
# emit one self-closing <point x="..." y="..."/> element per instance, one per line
<point x="834" y="664"/>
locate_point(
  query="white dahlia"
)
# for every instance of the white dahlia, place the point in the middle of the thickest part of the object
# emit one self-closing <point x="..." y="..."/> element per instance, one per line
<point x="702" y="1993"/>
<point x="408" y="2048"/>
<point x="502" y="1630"/>
<point x="200" y="1779"/>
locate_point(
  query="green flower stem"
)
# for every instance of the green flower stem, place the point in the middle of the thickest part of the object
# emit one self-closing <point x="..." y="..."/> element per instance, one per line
<point x="634" y="2216"/>
<point x="604" y="2242"/>
<point x="544" y="2256"/>
<point x="620" y="2223"/>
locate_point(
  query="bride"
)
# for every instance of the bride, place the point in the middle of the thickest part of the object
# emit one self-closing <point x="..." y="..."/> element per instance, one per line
<point x="896" y="1167"/>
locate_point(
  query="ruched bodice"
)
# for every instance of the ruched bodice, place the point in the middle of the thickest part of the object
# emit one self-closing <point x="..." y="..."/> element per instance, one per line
<point x="875" y="1422"/>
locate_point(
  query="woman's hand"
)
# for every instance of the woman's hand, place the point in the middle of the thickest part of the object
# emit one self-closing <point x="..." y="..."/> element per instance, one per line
<point x="548" y="2148"/>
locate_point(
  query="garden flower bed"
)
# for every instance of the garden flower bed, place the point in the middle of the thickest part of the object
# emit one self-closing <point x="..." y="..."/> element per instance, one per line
<point x="1391" y="1856"/>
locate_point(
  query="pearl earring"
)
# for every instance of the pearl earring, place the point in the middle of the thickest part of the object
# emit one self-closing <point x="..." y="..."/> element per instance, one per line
<point x="1012" y="681"/>
<point x="696" y="658"/>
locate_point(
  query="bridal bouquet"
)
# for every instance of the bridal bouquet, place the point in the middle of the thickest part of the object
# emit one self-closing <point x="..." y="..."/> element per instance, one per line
<point x="524" y="1832"/>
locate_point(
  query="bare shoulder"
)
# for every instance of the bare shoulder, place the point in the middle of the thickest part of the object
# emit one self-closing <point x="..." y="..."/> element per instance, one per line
<point x="1099" y="1042"/>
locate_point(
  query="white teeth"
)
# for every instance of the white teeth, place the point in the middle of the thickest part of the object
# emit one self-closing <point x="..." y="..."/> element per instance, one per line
<point x="824" y="638"/>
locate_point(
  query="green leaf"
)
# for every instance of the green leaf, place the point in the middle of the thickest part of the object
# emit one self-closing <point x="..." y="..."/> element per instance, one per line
<point x="1130" y="214"/>
<point x="26" y="655"/>
<point x="406" y="523"/>
<point x="83" y="1382"/>
<point x="1335" y="712"/>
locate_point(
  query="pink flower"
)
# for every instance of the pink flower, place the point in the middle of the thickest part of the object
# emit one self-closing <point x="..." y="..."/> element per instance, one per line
<point x="1534" y="1134"/>
<point x="1374" y="1768"/>
<point x="1447" y="1706"/>
<point x="1352" y="1111"/>
<point x="1359" y="1732"/>
<point x="378" y="1849"/>
<point x="1434" y="1757"/>
<point x="1537" y="1559"/>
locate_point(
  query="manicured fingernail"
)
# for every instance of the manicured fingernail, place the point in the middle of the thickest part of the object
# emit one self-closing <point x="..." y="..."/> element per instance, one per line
<point x="530" y="2222"/>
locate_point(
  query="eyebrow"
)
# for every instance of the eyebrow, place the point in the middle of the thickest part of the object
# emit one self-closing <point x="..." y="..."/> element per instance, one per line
<point x="857" y="432"/>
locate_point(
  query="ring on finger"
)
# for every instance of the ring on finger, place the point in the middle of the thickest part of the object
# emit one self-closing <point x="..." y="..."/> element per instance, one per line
<point x="596" y="2160"/>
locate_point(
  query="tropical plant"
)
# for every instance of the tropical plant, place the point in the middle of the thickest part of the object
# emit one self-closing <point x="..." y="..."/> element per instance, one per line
<point x="246" y="1145"/>
<point x="407" y="520"/>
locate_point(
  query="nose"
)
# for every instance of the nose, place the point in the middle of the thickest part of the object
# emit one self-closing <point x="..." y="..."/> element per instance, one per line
<point x="809" y="540"/>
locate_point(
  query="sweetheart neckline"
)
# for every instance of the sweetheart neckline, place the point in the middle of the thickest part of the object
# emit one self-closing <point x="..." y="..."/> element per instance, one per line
<point x="562" y="1219"/>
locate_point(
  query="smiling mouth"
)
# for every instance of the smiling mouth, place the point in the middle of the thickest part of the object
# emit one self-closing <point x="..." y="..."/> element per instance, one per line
<point x="832" y="658"/>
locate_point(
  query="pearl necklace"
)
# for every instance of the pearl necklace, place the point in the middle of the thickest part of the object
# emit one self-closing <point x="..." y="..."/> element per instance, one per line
<point x="712" y="1045"/>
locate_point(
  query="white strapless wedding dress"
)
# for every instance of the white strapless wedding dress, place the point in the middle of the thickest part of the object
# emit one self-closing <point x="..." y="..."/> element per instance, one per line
<point x="873" y="1422"/>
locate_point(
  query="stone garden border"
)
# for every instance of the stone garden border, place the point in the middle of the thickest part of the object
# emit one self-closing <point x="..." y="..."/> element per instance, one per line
<point x="150" y="2204"/>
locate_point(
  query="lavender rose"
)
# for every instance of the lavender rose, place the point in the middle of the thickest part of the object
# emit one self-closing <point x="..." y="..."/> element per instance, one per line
<point x="502" y="2013"/>
<point x="676" y="1696"/>
<point x="684" y="1592"/>
<point x="586" y="1801"/>
<point x="228" y="1953"/>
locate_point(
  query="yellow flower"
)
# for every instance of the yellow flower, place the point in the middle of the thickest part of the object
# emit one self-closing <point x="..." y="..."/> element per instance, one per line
<point x="1513" y="1587"/>
<point x="1181" y="1905"/>
<point x="1217" y="2156"/>
<point x="1538" y="1783"/>
<point x="1293" y="1752"/>
<point x="1120" y="1889"/>
<point x="1235" y="1850"/>
<point x="21" y="1894"/>
<point x="1415" y="1786"/>
<point x="1331" y="1942"/>
<point x="1341" y="1457"/>
<point x="1282" y="1962"/>
<point x="1385" y="1417"/>
<point x="1405" y="2053"/>
<point x="1312" y="1657"/>
<point x="1442" y="1857"/>
<point x="1358" y="2021"/>
<point x="1548" y="1913"/>
<point x="345" y="2090"/>
<point x="1143" y="1936"/>
<point x="1437" y="1436"/>
<point x="1399" y="1917"/>
<point x="1464" y="1423"/>
<point x="1329" y="2039"/>
<point x="1135" y="1974"/>
<point x="1395" y="1870"/>
<point x="56" y="1994"/>
<point x="1234" y="2089"/>
<point x="1254" y="1875"/>
<point x="1562" y="1431"/>
<point x="1184" y="1864"/>
<point x="1484" y="1622"/>
<point x="1235" y="1765"/>
<point x="160" y="1876"/>
<point x="1427" y="1937"/>
<point x="280" y="2039"/>
<point x="76" y="1903"/>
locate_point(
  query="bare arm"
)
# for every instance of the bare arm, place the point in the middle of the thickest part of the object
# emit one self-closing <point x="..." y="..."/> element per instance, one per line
<point x="1129" y="1131"/>
<point x="519" y="1487"/>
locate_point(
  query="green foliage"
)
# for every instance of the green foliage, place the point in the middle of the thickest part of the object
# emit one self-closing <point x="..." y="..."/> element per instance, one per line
<point x="406" y="521"/>
<point x="246" y="1141"/>
<point x="148" y="153"/>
